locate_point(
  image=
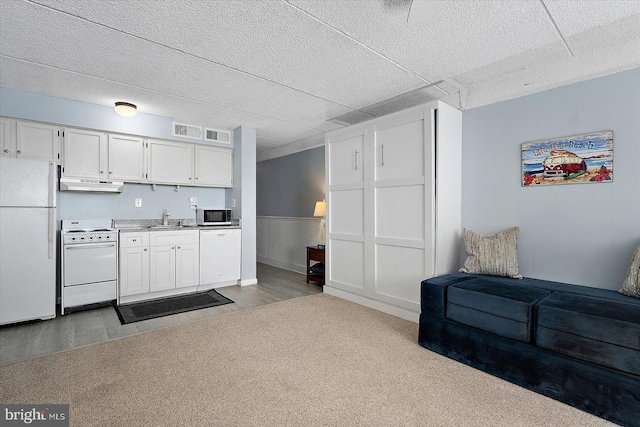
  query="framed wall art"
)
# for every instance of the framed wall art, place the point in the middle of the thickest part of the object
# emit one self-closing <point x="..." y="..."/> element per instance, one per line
<point x="574" y="159"/>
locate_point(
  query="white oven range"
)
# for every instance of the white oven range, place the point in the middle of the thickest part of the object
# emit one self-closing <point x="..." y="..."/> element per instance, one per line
<point x="89" y="263"/>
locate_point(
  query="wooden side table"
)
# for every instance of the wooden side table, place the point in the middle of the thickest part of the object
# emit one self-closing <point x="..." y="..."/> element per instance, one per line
<point x="314" y="254"/>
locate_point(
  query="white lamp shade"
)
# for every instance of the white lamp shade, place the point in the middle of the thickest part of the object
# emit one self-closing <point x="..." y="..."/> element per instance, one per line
<point x="126" y="109"/>
<point x="320" y="209"/>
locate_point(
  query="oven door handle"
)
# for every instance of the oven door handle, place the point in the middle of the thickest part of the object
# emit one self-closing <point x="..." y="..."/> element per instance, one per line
<point x="90" y="246"/>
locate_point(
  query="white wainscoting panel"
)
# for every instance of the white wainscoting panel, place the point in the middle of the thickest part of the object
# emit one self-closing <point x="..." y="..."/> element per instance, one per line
<point x="282" y="241"/>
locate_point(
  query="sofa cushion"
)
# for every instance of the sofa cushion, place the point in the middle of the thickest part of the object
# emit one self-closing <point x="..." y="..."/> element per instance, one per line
<point x="494" y="255"/>
<point x="631" y="285"/>
<point x="500" y="308"/>
<point x="594" y="329"/>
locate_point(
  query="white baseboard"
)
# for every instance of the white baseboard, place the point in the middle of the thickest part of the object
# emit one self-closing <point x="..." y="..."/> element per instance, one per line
<point x="247" y="282"/>
<point x="400" y="312"/>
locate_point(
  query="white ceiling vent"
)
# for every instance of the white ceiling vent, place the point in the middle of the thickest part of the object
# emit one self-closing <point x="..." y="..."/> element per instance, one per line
<point x="215" y="135"/>
<point x="422" y="95"/>
<point x="187" y="131"/>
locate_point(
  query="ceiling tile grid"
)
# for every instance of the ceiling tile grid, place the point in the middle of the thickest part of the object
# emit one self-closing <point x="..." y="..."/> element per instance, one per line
<point x="287" y="67"/>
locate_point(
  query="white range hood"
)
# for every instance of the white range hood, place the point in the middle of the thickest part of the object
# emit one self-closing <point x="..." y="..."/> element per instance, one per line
<point x="91" y="185"/>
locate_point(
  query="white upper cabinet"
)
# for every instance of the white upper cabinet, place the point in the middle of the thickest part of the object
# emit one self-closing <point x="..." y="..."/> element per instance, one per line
<point x="7" y="144"/>
<point x="89" y="154"/>
<point x="126" y="158"/>
<point x="96" y="155"/>
<point x="85" y="154"/>
<point x="170" y="163"/>
<point x="37" y="141"/>
<point x="213" y="166"/>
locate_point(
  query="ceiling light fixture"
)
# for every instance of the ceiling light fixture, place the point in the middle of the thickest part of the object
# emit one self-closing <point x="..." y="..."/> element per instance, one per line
<point x="126" y="109"/>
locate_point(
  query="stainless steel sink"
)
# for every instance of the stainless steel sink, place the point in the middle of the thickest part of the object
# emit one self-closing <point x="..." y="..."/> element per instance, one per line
<point x="165" y="227"/>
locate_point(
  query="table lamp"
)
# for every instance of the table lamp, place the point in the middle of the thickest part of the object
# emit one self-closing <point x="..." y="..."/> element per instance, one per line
<point x="320" y="210"/>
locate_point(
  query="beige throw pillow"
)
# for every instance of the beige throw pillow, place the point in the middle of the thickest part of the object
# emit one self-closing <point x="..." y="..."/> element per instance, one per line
<point x="494" y="255"/>
<point x="631" y="285"/>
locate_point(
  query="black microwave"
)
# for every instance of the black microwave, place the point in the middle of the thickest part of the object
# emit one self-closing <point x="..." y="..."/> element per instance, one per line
<point x="213" y="216"/>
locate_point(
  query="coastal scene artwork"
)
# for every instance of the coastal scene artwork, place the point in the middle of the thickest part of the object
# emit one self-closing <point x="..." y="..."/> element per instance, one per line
<point x="574" y="159"/>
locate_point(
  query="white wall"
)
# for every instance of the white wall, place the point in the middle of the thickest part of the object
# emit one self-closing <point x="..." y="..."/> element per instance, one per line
<point x="282" y="241"/>
<point x="584" y="233"/>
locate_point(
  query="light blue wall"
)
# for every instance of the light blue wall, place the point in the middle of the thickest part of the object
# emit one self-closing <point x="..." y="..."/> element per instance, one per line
<point x="31" y="106"/>
<point x="291" y="185"/>
<point x="244" y="168"/>
<point x="78" y="205"/>
<point x="583" y="233"/>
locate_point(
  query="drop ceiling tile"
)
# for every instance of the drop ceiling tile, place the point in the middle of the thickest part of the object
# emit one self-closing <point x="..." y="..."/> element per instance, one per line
<point x="163" y="70"/>
<point x="284" y="68"/>
<point x="24" y="76"/>
<point x="463" y="35"/>
<point x="574" y="17"/>
<point x="269" y="39"/>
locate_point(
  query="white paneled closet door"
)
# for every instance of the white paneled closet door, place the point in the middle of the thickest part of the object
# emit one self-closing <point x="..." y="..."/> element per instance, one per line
<point x="402" y="204"/>
<point x="391" y="223"/>
<point x="348" y="154"/>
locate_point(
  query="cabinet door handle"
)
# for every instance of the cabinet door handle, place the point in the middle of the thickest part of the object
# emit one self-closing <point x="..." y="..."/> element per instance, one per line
<point x="196" y="178"/>
<point x="189" y="178"/>
<point x="356" y="158"/>
<point x="19" y="151"/>
<point x="172" y="248"/>
<point x="6" y="150"/>
<point x="178" y="247"/>
<point x="110" y="172"/>
<point x="382" y="155"/>
<point x="145" y="249"/>
<point x="101" y="172"/>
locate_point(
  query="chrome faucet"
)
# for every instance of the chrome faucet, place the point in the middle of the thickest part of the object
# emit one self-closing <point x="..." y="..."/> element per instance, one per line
<point x="165" y="217"/>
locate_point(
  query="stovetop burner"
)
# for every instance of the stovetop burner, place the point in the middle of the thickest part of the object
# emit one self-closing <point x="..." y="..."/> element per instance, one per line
<point x="86" y="225"/>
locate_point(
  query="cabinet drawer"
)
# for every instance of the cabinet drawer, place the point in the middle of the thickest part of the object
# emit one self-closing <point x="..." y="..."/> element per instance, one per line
<point x="129" y="240"/>
<point x="158" y="238"/>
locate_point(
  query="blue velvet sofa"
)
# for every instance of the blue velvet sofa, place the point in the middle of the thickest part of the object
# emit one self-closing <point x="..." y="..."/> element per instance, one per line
<point x="575" y="344"/>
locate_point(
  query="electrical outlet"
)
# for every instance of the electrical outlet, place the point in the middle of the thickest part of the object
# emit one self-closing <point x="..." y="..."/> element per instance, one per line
<point x="138" y="203"/>
<point x="193" y="203"/>
<point x="233" y="203"/>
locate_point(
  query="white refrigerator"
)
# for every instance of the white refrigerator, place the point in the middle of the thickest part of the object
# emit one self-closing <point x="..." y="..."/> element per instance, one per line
<point x="27" y="240"/>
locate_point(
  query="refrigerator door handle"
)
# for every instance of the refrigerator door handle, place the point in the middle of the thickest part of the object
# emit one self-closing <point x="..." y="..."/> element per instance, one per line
<point x="52" y="232"/>
<point x="53" y="177"/>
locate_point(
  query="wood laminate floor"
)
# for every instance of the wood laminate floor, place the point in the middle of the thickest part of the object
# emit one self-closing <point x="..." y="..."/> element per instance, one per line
<point x="31" y="339"/>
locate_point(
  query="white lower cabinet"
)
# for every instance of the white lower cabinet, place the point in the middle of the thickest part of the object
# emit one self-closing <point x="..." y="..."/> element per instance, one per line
<point x="387" y="230"/>
<point x="134" y="264"/>
<point x="163" y="268"/>
<point x="187" y="265"/>
<point x="175" y="261"/>
<point x="158" y="264"/>
<point x="220" y="253"/>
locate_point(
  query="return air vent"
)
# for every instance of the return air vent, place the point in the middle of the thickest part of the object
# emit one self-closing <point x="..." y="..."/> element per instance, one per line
<point x="187" y="131"/>
<point x="422" y="95"/>
<point x="214" y="135"/>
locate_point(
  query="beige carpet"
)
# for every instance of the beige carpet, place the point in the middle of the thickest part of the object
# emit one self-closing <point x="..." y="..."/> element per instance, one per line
<point x="315" y="360"/>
